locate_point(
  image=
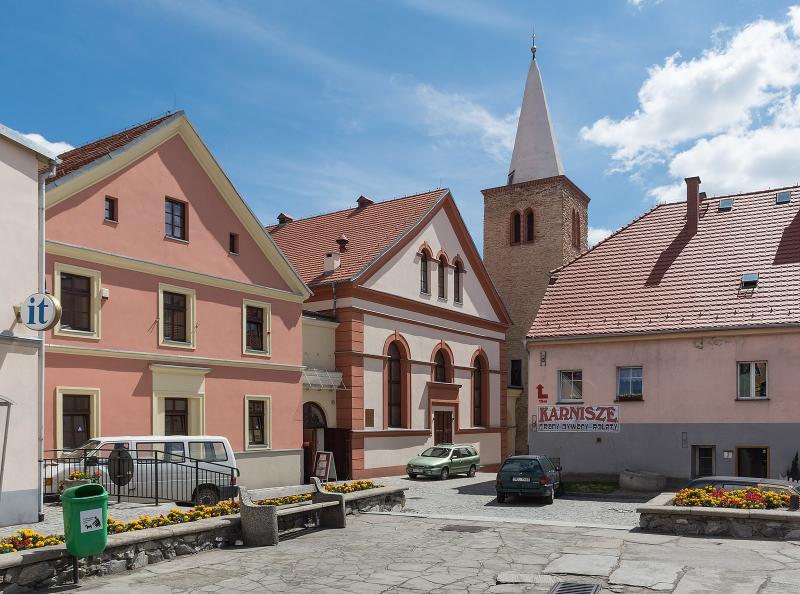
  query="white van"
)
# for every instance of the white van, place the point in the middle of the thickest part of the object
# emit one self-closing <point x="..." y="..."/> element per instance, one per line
<point x="200" y="469"/>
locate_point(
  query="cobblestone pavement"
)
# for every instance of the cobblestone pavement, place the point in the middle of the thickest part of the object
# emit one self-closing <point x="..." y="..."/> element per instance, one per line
<point x="53" y="522"/>
<point x="379" y="553"/>
<point x="475" y="497"/>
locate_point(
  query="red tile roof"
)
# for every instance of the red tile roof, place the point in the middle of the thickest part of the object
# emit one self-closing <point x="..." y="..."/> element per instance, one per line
<point x="651" y="277"/>
<point x="84" y="155"/>
<point x="370" y="231"/>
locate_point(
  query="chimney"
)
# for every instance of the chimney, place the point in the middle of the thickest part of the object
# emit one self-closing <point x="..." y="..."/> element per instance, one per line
<point x="363" y="201"/>
<point x="283" y="218"/>
<point x="692" y="204"/>
<point x="342" y="241"/>
<point x="332" y="261"/>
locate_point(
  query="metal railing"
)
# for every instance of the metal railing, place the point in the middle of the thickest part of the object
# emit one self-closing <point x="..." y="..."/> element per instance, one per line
<point x="142" y="474"/>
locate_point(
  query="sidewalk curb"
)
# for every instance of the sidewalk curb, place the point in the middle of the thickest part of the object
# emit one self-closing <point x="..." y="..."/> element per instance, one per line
<point x="494" y="520"/>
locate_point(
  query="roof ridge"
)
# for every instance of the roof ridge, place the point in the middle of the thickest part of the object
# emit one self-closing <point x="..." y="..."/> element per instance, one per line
<point x="163" y="116"/>
<point x="388" y="200"/>
<point x="614" y="234"/>
<point x="753" y="193"/>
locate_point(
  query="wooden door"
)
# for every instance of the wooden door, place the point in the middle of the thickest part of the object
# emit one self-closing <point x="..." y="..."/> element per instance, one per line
<point x="442" y="426"/>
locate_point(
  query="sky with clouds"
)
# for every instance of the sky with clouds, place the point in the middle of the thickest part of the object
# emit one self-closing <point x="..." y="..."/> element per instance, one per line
<point x="307" y="105"/>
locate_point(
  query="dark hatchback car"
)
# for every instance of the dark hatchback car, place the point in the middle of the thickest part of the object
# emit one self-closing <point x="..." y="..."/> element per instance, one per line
<point x="743" y="482"/>
<point x="537" y="476"/>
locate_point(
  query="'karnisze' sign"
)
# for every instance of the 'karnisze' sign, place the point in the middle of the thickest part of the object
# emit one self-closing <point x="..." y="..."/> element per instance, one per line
<point x="578" y="418"/>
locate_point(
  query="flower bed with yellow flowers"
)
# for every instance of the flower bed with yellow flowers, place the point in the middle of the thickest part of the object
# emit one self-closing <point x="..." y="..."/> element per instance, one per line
<point x="751" y="498"/>
<point x="331" y="488"/>
<point x="28" y="539"/>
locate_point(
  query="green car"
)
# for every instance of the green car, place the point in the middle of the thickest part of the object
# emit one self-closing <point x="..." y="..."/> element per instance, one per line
<point x="443" y="460"/>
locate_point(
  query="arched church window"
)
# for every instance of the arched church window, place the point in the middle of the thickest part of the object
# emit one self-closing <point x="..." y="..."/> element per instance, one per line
<point x="516" y="227"/>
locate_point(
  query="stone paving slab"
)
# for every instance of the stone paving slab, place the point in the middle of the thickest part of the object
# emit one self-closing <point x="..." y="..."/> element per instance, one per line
<point x="378" y="553"/>
<point x="654" y="575"/>
<point x="697" y="581"/>
<point x="588" y="564"/>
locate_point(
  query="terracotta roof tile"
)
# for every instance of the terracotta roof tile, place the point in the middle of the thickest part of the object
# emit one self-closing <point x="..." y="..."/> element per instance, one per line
<point x="84" y="155"/>
<point x="652" y="277"/>
<point x="370" y="230"/>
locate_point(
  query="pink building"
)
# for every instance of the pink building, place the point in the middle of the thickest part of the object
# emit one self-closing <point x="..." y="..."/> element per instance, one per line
<point x="180" y="314"/>
<point x="687" y="323"/>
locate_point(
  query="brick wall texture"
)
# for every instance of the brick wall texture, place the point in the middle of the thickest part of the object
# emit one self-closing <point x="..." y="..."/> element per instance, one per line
<point x="521" y="272"/>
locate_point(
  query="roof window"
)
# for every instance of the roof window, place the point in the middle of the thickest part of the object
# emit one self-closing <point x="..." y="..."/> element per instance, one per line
<point x="749" y="281"/>
<point x="783" y="197"/>
<point x="725" y="204"/>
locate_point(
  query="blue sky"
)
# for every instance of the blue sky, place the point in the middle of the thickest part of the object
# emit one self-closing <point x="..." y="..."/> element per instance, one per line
<point x="308" y="104"/>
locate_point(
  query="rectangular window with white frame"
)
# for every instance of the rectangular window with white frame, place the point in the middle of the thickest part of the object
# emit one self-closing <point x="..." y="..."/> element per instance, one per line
<point x="176" y="316"/>
<point x="629" y="383"/>
<point x="256" y="328"/>
<point x="751" y="380"/>
<point x="257" y="422"/>
<point x="570" y="385"/>
<point x="77" y="416"/>
<point x="78" y="291"/>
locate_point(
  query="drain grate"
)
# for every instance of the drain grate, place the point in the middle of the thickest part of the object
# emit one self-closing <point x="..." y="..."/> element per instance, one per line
<point x="575" y="588"/>
<point x="460" y="528"/>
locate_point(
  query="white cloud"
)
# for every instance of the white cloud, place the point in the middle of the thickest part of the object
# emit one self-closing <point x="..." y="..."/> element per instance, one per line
<point x="730" y="115"/>
<point x="54" y="147"/>
<point x="470" y="12"/>
<point x="450" y="116"/>
<point x="640" y="3"/>
<point x="597" y="234"/>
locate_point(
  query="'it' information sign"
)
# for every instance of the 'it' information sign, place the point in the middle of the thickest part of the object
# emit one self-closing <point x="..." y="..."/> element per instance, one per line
<point x="577" y="419"/>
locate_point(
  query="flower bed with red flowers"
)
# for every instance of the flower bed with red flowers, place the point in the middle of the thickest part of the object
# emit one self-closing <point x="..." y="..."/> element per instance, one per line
<point x="751" y="498"/>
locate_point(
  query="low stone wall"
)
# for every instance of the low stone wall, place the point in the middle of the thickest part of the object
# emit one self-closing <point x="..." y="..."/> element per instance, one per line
<point x="52" y="566"/>
<point x="37" y="569"/>
<point x="380" y="499"/>
<point x="658" y="515"/>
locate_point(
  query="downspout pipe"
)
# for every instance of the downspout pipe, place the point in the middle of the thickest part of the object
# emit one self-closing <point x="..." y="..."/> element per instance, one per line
<point x="42" y="286"/>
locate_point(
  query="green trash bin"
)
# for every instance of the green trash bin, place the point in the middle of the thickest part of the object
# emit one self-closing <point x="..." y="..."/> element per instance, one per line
<point x="85" y="509"/>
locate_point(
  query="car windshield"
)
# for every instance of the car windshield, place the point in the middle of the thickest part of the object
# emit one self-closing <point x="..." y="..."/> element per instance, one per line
<point x="522" y="465"/>
<point x="81" y="451"/>
<point x="436" y="453"/>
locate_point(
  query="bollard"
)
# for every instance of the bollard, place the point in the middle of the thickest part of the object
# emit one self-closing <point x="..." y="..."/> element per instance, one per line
<point x="794" y="502"/>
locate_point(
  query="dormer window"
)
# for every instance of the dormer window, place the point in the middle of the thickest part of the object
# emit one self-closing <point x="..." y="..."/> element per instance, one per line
<point x="749" y="281"/>
<point x="725" y="204"/>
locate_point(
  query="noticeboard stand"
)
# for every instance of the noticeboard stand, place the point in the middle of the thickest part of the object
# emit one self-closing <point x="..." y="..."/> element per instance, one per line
<point x="324" y="466"/>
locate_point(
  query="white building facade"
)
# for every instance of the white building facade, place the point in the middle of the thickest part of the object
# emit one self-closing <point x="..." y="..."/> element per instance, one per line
<point x="20" y="162"/>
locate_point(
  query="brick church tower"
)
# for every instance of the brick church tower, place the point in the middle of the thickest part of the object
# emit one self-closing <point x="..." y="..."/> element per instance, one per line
<point x="532" y="225"/>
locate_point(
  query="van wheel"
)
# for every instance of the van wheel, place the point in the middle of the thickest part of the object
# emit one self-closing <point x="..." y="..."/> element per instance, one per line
<point x="445" y="474"/>
<point x="472" y="471"/>
<point x="206" y="495"/>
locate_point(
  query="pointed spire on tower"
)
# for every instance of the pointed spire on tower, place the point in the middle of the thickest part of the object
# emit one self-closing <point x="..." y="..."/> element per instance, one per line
<point x="535" y="153"/>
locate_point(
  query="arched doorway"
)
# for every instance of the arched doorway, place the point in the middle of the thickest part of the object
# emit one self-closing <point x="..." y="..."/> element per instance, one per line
<point x="314" y="425"/>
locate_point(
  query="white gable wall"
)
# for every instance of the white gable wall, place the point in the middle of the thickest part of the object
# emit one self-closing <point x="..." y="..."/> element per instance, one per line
<point x="400" y="276"/>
